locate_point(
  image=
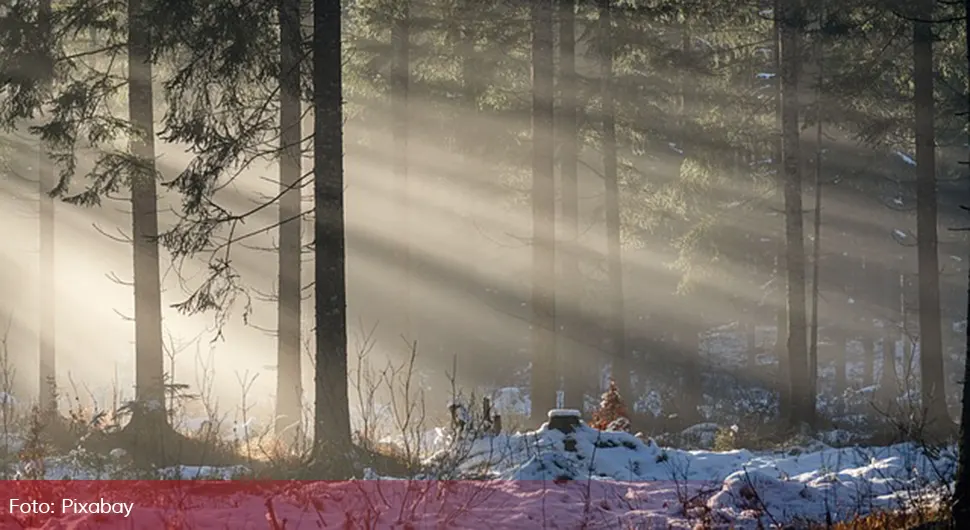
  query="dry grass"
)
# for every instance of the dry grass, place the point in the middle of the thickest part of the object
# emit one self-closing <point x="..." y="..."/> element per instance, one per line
<point x="893" y="521"/>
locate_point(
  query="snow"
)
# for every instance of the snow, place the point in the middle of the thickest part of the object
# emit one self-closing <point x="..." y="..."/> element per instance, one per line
<point x="592" y="478"/>
<point x="765" y="75"/>
<point x="905" y="158"/>
<point x="585" y="478"/>
<point x="846" y="481"/>
<point x="564" y="413"/>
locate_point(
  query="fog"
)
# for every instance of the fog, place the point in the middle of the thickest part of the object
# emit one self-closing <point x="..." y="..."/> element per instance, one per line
<point x="470" y="224"/>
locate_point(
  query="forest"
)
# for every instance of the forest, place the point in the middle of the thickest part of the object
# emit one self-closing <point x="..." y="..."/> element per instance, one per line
<point x="719" y="245"/>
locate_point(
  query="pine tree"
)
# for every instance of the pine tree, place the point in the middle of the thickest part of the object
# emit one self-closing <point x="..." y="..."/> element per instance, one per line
<point x="611" y="408"/>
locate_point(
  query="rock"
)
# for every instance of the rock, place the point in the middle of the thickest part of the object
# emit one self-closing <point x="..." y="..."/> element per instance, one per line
<point x="564" y="420"/>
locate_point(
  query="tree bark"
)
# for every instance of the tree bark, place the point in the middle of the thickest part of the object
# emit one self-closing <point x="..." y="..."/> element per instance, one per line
<point x="931" y="340"/>
<point x="803" y="407"/>
<point x="961" y="492"/>
<point x="289" y="382"/>
<point x="617" y="328"/>
<point x="149" y="357"/>
<point x="47" y="284"/>
<point x="817" y="234"/>
<point x="543" y="215"/>
<point x="570" y="301"/>
<point x="400" y="81"/>
<point x="331" y="408"/>
<point x="781" y="314"/>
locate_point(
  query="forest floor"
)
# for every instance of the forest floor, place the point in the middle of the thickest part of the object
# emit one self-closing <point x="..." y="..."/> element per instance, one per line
<point x="706" y="476"/>
<point x="587" y="479"/>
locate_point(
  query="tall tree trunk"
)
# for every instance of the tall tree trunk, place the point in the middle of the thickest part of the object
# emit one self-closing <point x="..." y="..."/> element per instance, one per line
<point x="931" y="339"/>
<point x="803" y="407"/>
<point x="289" y="387"/>
<point x="569" y="300"/>
<point x="331" y="411"/>
<point x="781" y="314"/>
<point x="400" y="81"/>
<point x="149" y="360"/>
<point x="817" y="230"/>
<point x="47" y="283"/>
<point x="543" y="214"/>
<point x="961" y="492"/>
<point x="614" y="258"/>
<point x="686" y="337"/>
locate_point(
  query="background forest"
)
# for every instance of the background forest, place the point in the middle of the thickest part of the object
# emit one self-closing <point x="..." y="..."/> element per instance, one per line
<point x="740" y="213"/>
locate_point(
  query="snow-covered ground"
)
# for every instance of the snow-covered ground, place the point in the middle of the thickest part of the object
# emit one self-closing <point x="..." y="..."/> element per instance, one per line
<point x="600" y="479"/>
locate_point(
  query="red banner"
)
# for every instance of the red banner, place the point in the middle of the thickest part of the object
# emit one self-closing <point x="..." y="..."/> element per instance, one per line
<point x="230" y="505"/>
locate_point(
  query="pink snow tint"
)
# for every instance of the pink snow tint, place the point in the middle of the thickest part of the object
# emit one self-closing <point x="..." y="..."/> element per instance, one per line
<point x="352" y="504"/>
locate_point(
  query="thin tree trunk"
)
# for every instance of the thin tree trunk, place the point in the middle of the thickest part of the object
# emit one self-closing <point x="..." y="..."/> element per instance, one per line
<point x="869" y="358"/>
<point x="961" y="493"/>
<point x="803" y="407"/>
<point x="149" y="360"/>
<point x="464" y="135"/>
<point x="573" y="378"/>
<point x="543" y="214"/>
<point x="332" y="408"/>
<point x="751" y="339"/>
<point x="621" y="364"/>
<point x="781" y="314"/>
<point x="686" y="337"/>
<point x="817" y="229"/>
<point x="289" y="387"/>
<point x="47" y="283"/>
<point x="839" y="360"/>
<point x="888" y="378"/>
<point x="400" y="81"/>
<point x="931" y="340"/>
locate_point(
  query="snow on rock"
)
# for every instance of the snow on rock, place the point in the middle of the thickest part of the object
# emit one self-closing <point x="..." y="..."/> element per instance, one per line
<point x="742" y="487"/>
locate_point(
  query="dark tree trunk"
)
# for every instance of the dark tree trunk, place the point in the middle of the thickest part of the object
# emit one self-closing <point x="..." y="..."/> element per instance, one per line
<point x="817" y="237"/>
<point x="931" y="340"/>
<point x="617" y="328"/>
<point x="149" y="360"/>
<point x="569" y="300"/>
<point x="331" y="409"/>
<point x="961" y="492"/>
<point x="543" y="215"/>
<point x="400" y="82"/>
<point x="289" y="387"/>
<point x="781" y="314"/>
<point x="803" y="406"/>
<point x="47" y="284"/>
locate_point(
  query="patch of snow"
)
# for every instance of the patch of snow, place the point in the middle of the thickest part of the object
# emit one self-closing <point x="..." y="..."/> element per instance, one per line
<point x="564" y="413"/>
<point x="905" y="158"/>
